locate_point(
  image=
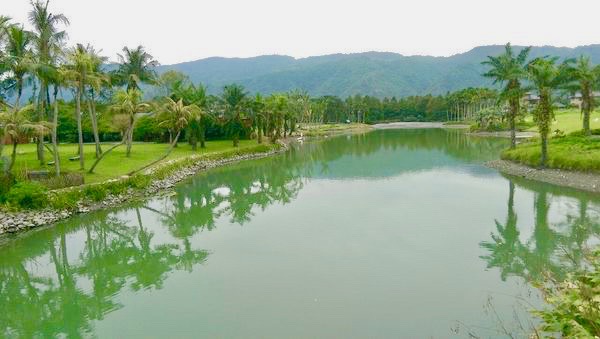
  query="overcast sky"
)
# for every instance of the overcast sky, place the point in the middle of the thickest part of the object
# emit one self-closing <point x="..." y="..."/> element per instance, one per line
<point x="183" y="30"/>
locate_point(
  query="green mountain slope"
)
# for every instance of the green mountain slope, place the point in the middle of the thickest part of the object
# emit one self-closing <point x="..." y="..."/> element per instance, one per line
<point x="373" y="73"/>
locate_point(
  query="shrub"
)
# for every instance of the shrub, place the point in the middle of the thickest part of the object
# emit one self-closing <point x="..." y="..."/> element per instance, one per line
<point x="6" y="182"/>
<point x="64" y="180"/>
<point x="27" y="195"/>
<point x="575" y="305"/>
<point x="66" y="200"/>
<point x="95" y="192"/>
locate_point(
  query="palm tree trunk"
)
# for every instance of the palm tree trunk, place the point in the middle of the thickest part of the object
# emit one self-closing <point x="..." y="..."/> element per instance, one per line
<point x="54" y="134"/>
<point x="79" y="127"/>
<point x="13" y="156"/>
<point x="514" y="108"/>
<point x="260" y="128"/>
<point x="586" y="108"/>
<point x="94" y="120"/>
<point x="544" y="156"/>
<point x="129" y="136"/>
<point x="163" y="157"/>
<point x="124" y="141"/>
<point x="41" y="117"/>
<point x="202" y="135"/>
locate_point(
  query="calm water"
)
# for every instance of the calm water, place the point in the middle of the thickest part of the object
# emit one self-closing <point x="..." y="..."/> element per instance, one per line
<point x="396" y="233"/>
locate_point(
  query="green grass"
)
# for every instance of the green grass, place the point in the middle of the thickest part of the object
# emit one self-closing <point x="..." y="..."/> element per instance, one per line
<point x="569" y="120"/>
<point x="116" y="163"/>
<point x="572" y="152"/>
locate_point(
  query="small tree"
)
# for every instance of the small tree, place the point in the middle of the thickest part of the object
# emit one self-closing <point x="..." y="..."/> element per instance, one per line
<point x="584" y="78"/>
<point x="17" y="125"/>
<point x="174" y="115"/>
<point x="234" y="104"/>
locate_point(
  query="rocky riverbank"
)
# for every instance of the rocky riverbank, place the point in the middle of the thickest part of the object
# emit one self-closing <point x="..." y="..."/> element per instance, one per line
<point x="579" y="180"/>
<point x="13" y="222"/>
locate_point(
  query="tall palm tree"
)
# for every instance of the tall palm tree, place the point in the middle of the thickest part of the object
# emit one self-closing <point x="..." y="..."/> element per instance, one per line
<point x="78" y="71"/>
<point x="509" y="71"/>
<point x="48" y="39"/>
<point x="546" y="77"/>
<point x="234" y="100"/>
<point x="97" y="79"/>
<point x="584" y="78"/>
<point x="18" y="59"/>
<point x="17" y="125"/>
<point x="136" y="66"/>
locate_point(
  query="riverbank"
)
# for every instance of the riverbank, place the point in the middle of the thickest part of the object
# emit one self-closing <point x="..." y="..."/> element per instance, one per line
<point x="416" y="125"/>
<point x="176" y="170"/>
<point x="589" y="182"/>
<point x="160" y="180"/>
<point x="505" y="134"/>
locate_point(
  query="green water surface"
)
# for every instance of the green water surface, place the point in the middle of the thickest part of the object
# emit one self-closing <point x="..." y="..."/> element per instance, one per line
<point x="390" y="234"/>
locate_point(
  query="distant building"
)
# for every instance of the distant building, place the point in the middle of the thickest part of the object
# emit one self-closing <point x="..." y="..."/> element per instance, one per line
<point x="575" y="99"/>
<point x="530" y="99"/>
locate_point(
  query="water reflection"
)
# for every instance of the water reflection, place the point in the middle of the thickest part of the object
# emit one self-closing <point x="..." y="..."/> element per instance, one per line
<point x="61" y="280"/>
<point x="556" y="245"/>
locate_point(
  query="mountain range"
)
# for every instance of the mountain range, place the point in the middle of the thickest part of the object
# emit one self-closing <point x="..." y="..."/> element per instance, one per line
<point x="380" y="74"/>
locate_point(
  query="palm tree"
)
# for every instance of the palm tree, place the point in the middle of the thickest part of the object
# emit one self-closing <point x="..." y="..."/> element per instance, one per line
<point x="194" y="95"/>
<point x="16" y="124"/>
<point x="175" y="115"/>
<point x="546" y="77"/>
<point x="79" y="72"/>
<point x="18" y="59"/>
<point x="234" y="100"/>
<point x="584" y="78"/>
<point x="136" y="66"/>
<point x="509" y="70"/>
<point x="96" y="80"/>
<point x="48" y="39"/>
<point x="129" y="105"/>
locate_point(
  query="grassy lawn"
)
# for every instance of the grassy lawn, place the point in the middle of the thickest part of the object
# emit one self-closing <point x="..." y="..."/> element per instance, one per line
<point x="116" y="163"/>
<point x="568" y="152"/>
<point x="569" y="120"/>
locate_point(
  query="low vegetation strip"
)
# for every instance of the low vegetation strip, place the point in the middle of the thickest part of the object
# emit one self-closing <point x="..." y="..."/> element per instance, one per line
<point x="573" y="152"/>
<point x="32" y="205"/>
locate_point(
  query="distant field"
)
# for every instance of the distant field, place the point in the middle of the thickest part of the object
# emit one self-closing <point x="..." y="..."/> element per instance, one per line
<point x="569" y="120"/>
<point x="116" y="163"/>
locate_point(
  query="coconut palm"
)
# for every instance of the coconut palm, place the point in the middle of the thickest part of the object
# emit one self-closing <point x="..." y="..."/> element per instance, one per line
<point x="546" y="77"/>
<point x="509" y="71"/>
<point x="129" y="105"/>
<point x="96" y="80"/>
<point x="78" y="71"/>
<point x="48" y="39"/>
<point x="174" y="115"/>
<point x="194" y="95"/>
<point x="584" y="78"/>
<point x="234" y="102"/>
<point x="17" y="125"/>
<point x="136" y="67"/>
<point x="18" y="59"/>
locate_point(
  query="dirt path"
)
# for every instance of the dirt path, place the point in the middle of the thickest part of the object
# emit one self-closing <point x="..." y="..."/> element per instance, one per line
<point x="580" y="180"/>
<point x="415" y="125"/>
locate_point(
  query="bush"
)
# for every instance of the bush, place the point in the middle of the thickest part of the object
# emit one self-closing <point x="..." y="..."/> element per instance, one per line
<point x="66" y="200"/>
<point x="6" y="182"/>
<point x="64" y="180"/>
<point x="27" y="195"/>
<point x="95" y="192"/>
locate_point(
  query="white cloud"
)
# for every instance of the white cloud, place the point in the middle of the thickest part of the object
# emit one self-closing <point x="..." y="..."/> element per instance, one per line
<point x="182" y="30"/>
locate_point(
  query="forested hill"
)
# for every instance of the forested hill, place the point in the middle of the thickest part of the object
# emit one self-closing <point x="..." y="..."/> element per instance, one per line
<point x="371" y="73"/>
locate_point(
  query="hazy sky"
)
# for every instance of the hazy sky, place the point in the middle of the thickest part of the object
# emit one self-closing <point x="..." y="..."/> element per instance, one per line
<point x="183" y="30"/>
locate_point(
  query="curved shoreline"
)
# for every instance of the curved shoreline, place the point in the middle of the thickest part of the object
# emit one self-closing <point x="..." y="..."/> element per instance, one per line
<point x="589" y="182"/>
<point x="22" y="221"/>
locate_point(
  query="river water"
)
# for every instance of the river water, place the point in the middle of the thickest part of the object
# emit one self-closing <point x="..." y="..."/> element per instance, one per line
<point x="391" y="234"/>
